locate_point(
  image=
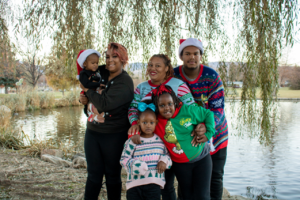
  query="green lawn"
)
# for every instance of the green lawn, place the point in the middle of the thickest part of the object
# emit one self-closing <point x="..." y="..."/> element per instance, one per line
<point x="284" y="92"/>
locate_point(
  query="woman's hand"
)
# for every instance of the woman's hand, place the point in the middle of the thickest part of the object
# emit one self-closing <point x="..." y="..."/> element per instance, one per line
<point x="199" y="134"/>
<point x="136" y="139"/>
<point x="83" y="99"/>
<point x="161" y="167"/>
<point x="100" y="88"/>
<point x="134" y="129"/>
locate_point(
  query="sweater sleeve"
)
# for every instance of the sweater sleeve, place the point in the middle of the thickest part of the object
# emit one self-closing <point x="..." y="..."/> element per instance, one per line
<point x="165" y="157"/>
<point x="111" y="98"/>
<point x="185" y="95"/>
<point x="206" y="116"/>
<point x="133" y="112"/>
<point x="84" y="80"/>
<point x="216" y="100"/>
<point x="131" y="165"/>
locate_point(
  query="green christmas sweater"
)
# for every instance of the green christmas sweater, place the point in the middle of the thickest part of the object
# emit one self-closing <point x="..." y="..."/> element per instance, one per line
<point x="176" y="131"/>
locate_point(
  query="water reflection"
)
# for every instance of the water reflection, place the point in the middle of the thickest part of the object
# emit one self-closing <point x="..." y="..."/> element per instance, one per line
<point x="252" y="170"/>
<point x="63" y="124"/>
<point x="262" y="172"/>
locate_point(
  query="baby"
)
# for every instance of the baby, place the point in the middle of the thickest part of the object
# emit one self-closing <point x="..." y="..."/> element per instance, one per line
<point x="89" y="76"/>
<point x="87" y="68"/>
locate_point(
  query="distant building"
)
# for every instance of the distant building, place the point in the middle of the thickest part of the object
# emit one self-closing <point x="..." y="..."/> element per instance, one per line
<point x="2" y="90"/>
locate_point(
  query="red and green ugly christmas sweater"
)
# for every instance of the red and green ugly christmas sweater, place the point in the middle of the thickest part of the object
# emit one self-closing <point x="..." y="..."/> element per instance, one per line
<point x="208" y="91"/>
<point x="176" y="131"/>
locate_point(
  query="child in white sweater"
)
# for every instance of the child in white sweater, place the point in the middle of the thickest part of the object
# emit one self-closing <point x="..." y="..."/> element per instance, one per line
<point x="145" y="163"/>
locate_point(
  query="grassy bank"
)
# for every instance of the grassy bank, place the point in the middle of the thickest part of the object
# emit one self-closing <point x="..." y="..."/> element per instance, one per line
<point x="16" y="139"/>
<point x="32" y="100"/>
<point x="284" y="92"/>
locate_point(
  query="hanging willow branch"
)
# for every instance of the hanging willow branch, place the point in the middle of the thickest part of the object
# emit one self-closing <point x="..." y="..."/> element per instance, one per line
<point x="146" y="27"/>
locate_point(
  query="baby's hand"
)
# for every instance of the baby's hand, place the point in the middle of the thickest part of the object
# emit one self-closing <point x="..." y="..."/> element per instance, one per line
<point x="161" y="167"/>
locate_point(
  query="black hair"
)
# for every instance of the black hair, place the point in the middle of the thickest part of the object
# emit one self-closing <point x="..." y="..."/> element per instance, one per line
<point x="155" y="98"/>
<point x="147" y="109"/>
<point x="167" y="62"/>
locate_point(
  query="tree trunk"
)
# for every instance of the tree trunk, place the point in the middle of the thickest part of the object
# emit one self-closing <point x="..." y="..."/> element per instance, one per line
<point x="6" y="90"/>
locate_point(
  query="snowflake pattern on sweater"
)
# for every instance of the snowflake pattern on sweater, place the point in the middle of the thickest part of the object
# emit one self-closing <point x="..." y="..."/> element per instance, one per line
<point x="208" y="91"/>
<point x="140" y="161"/>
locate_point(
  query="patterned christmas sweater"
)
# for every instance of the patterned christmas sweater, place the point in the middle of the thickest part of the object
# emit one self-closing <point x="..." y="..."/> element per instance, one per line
<point x="140" y="161"/>
<point x="176" y="132"/>
<point x="144" y="91"/>
<point x="208" y="91"/>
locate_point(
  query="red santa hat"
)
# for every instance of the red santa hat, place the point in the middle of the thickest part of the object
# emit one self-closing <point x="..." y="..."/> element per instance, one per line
<point x="190" y="42"/>
<point x="82" y="55"/>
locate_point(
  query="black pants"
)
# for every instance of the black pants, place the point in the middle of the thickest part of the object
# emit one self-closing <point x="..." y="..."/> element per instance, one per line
<point x="216" y="185"/>
<point x="168" y="193"/>
<point x="194" y="178"/>
<point x="103" y="152"/>
<point x="144" y="192"/>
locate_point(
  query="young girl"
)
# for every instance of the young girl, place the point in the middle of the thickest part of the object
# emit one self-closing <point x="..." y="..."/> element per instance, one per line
<point x="191" y="164"/>
<point x="145" y="163"/>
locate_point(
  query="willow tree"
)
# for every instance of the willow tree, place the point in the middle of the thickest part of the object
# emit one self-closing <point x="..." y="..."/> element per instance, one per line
<point x="150" y="26"/>
<point x="9" y="73"/>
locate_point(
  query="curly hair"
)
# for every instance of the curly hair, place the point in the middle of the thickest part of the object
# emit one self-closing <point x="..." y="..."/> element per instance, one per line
<point x="121" y="52"/>
<point x="155" y="96"/>
<point x="167" y="62"/>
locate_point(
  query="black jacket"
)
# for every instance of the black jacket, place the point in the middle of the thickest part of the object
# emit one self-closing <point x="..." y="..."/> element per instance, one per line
<point x="114" y="102"/>
<point x="87" y="77"/>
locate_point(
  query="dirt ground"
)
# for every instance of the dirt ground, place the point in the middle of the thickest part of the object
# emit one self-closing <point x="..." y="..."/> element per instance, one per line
<point x="24" y="177"/>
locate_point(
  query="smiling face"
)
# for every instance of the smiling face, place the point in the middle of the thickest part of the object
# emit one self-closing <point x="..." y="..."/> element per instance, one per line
<point x="166" y="106"/>
<point x="191" y="57"/>
<point x="113" y="62"/>
<point x="91" y="62"/>
<point x="147" y="121"/>
<point x="157" y="70"/>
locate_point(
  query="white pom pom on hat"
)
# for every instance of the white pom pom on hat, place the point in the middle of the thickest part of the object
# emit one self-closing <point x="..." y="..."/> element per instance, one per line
<point x="81" y="57"/>
<point x="190" y="42"/>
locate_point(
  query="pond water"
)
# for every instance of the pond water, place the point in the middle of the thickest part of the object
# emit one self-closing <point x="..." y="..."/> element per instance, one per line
<point x="252" y="170"/>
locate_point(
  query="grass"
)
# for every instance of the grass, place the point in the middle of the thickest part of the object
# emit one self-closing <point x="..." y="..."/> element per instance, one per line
<point x="284" y="92"/>
<point x="32" y="100"/>
<point x="16" y="139"/>
<point x="287" y="93"/>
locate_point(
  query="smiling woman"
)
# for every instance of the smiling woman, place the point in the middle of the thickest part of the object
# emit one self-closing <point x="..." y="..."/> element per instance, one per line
<point x="107" y="129"/>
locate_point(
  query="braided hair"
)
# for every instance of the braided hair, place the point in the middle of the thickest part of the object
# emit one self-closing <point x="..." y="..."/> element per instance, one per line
<point x="164" y="89"/>
<point x="167" y="62"/>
